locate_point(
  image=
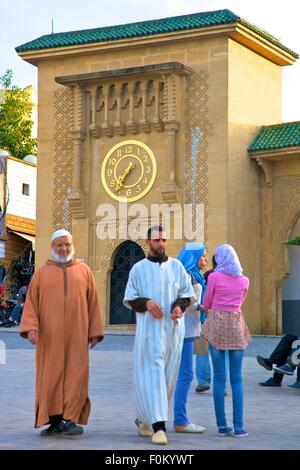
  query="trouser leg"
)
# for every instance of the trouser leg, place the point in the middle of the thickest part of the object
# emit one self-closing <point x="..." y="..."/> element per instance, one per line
<point x="236" y="380"/>
<point x="159" y="426"/>
<point x="219" y="379"/>
<point x="184" y="381"/>
<point x="283" y="350"/>
<point x="55" y="419"/>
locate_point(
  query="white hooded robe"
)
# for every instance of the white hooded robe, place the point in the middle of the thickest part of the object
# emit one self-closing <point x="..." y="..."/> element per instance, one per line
<point x="158" y="342"/>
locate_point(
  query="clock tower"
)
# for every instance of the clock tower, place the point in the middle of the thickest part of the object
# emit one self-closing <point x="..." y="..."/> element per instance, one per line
<point x="162" y="112"/>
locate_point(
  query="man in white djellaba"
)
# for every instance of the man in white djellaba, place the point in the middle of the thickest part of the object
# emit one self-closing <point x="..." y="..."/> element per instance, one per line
<point x="158" y="290"/>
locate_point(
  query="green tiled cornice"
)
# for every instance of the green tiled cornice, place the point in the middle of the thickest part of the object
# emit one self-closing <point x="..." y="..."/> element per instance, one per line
<point x="276" y="137"/>
<point x="144" y="28"/>
<point x="264" y="34"/>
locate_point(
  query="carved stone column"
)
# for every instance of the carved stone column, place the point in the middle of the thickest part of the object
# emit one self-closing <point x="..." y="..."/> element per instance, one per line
<point x="93" y="127"/>
<point x="131" y="124"/>
<point x="118" y="126"/>
<point x="171" y="122"/>
<point x="169" y="192"/>
<point x="279" y="287"/>
<point x="144" y="124"/>
<point x="77" y="198"/>
<point x="157" y="122"/>
<point x="106" y="127"/>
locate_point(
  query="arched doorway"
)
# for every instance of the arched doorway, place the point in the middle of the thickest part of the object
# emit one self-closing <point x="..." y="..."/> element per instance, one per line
<point x="127" y="255"/>
<point x="291" y="290"/>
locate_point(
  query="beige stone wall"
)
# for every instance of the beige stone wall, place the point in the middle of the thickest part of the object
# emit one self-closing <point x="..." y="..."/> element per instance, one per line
<point x="202" y="55"/>
<point x="46" y="147"/>
<point x="254" y="100"/>
<point x="199" y="56"/>
<point x="243" y="92"/>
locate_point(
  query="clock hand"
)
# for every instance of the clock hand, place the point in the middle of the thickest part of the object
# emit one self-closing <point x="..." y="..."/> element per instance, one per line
<point x="122" y="178"/>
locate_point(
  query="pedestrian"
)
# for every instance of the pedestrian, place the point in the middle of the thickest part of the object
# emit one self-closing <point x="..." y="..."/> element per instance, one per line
<point x="203" y="370"/>
<point x="159" y="290"/>
<point x="192" y="257"/>
<point x="214" y="265"/>
<point x="16" y="314"/>
<point x="225" y="329"/>
<point x="61" y="317"/>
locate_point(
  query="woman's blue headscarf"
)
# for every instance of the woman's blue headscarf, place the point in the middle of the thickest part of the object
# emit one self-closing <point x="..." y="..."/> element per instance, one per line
<point x="227" y="261"/>
<point x="189" y="257"/>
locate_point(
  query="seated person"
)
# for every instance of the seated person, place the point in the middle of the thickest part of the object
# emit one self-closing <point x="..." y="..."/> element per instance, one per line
<point x="292" y="361"/>
<point x="22" y="292"/>
<point x="2" y="301"/>
<point x="279" y="357"/>
<point x="16" y="314"/>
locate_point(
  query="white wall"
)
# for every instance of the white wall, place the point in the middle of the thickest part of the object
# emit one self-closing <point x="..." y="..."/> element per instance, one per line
<point x="291" y="290"/>
<point x="17" y="174"/>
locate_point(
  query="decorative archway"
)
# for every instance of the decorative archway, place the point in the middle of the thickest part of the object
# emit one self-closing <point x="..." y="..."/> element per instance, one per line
<point x="127" y="255"/>
<point x="286" y="214"/>
<point x="290" y="291"/>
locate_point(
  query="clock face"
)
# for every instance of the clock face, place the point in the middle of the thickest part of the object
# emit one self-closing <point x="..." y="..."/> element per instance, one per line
<point x="128" y="171"/>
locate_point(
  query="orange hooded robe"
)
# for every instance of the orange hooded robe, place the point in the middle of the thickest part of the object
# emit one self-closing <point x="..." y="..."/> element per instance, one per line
<point x="62" y="305"/>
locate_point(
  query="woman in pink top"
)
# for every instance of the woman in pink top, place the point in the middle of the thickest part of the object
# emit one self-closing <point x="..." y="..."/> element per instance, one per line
<point x="225" y="329"/>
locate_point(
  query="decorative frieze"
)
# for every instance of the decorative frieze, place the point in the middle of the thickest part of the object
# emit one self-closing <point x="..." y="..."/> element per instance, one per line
<point x="135" y="100"/>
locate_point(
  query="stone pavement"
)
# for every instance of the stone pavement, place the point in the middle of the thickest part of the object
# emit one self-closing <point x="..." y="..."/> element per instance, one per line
<point x="271" y="414"/>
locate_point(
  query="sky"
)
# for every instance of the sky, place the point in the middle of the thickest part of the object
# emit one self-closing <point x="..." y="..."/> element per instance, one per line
<point x="29" y="19"/>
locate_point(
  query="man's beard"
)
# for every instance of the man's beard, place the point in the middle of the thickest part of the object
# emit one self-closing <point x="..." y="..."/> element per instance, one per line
<point x="157" y="253"/>
<point x="62" y="259"/>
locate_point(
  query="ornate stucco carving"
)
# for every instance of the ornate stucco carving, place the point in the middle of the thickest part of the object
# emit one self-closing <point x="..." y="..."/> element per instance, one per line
<point x="63" y="159"/>
<point x="196" y="143"/>
<point x="137" y="99"/>
<point x="286" y="209"/>
<point x="110" y="249"/>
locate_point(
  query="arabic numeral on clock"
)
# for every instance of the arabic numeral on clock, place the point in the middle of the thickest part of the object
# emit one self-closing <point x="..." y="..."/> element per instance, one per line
<point x="112" y="161"/>
<point x="119" y="153"/>
<point x="145" y="158"/>
<point x="138" y="188"/>
<point x="145" y="180"/>
<point x="109" y="172"/>
<point x="148" y="169"/>
<point x="112" y="183"/>
<point x="129" y="149"/>
<point x="128" y="192"/>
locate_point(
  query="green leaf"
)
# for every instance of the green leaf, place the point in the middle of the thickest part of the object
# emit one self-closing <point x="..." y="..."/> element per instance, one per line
<point x="15" y="119"/>
<point x="293" y="241"/>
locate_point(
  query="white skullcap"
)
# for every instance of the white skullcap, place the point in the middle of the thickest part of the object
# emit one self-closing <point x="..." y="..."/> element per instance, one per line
<point x="60" y="233"/>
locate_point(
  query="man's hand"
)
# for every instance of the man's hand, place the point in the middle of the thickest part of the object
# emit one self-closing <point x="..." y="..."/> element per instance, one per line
<point x="176" y="313"/>
<point x="154" y="308"/>
<point x="202" y="309"/>
<point x="95" y="340"/>
<point x="33" y="337"/>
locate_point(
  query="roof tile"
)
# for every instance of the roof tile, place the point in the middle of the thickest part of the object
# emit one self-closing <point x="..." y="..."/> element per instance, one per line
<point x="276" y="137"/>
<point x="145" y="28"/>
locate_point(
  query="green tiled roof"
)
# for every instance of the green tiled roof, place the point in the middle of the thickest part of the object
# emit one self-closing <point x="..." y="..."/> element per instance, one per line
<point x="276" y="137"/>
<point x="144" y="28"/>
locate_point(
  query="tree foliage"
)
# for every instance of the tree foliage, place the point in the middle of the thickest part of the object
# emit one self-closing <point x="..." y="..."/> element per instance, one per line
<point x="15" y="118"/>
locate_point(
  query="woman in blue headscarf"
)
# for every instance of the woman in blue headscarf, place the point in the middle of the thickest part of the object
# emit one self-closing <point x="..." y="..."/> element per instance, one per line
<point x="193" y="257"/>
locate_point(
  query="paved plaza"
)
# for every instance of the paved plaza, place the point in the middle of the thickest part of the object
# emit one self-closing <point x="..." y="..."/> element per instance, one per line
<point x="271" y="414"/>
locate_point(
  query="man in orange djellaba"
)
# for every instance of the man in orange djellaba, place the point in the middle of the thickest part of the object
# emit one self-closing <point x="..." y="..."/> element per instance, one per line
<point x="61" y="317"/>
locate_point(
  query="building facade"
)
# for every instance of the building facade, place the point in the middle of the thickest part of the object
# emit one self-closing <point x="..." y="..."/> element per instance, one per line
<point x="18" y="221"/>
<point x="163" y="112"/>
